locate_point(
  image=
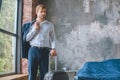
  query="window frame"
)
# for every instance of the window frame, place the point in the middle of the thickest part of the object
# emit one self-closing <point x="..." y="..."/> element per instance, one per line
<point x="18" y="36"/>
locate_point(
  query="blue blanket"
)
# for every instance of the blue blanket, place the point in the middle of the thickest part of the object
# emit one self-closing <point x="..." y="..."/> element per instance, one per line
<point x="104" y="70"/>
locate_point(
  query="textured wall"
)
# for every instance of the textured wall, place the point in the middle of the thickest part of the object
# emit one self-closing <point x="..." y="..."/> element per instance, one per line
<point x="86" y="31"/>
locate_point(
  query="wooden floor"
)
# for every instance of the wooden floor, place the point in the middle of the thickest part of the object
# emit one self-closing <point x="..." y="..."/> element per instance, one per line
<point x="15" y="77"/>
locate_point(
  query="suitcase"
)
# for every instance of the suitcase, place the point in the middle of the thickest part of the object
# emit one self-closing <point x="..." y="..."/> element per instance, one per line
<point x="54" y="74"/>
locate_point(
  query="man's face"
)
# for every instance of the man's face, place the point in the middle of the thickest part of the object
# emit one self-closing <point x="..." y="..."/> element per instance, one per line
<point x="41" y="13"/>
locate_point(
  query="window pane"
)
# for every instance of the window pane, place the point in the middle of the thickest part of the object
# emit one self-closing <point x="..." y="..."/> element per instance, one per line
<point x="7" y="53"/>
<point x="7" y="15"/>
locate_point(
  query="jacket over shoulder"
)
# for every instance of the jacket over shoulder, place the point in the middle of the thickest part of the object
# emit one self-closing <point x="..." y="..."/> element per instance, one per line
<point x="25" y="44"/>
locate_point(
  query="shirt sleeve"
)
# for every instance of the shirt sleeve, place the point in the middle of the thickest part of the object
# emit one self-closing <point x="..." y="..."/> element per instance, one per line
<point x="53" y="37"/>
<point x="31" y="33"/>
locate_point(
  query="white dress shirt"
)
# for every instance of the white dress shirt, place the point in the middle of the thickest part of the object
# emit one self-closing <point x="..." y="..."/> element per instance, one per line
<point x="45" y="37"/>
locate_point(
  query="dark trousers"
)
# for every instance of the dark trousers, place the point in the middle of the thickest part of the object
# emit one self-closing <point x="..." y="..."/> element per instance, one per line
<point x="38" y="58"/>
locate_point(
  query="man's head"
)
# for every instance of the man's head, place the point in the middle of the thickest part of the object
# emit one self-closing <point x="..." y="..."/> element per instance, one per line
<point x="41" y="11"/>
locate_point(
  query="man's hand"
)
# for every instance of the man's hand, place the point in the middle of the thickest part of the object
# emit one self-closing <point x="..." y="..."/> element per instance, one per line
<point x="37" y="25"/>
<point x="53" y="52"/>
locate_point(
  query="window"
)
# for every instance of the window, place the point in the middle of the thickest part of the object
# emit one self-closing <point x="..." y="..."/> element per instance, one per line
<point x="10" y="36"/>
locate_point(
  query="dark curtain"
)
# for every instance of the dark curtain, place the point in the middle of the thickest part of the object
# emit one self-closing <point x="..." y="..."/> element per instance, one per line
<point x="0" y="4"/>
<point x="42" y="1"/>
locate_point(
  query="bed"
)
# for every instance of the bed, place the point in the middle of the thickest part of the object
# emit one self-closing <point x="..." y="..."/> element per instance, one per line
<point x="104" y="70"/>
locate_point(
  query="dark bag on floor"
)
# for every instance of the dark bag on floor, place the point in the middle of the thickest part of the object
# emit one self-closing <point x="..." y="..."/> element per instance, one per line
<point x="54" y="74"/>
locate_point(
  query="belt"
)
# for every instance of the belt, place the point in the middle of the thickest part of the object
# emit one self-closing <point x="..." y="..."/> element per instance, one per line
<point x="41" y="47"/>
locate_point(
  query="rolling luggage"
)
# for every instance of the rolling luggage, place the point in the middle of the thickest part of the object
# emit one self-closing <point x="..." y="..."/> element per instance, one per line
<point x="54" y="74"/>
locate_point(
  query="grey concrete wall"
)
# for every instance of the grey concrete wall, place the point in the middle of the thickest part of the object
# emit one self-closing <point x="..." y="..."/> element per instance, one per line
<point x="85" y="31"/>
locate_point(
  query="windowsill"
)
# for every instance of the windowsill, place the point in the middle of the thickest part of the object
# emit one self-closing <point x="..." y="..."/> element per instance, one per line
<point x="15" y="77"/>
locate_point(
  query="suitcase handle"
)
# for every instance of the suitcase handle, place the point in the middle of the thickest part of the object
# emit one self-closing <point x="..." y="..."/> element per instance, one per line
<point x="55" y="62"/>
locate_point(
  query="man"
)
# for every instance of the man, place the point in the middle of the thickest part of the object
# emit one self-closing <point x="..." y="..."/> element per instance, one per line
<point x="41" y="37"/>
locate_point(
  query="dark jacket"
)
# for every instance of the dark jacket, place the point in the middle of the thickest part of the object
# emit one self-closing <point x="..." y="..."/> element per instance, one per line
<point x="25" y="44"/>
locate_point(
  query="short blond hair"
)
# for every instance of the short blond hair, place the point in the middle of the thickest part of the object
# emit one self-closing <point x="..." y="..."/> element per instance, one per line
<point x="40" y="6"/>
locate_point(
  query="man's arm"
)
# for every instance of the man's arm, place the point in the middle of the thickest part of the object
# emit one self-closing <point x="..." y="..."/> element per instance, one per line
<point x="53" y="40"/>
<point x="33" y="31"/>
